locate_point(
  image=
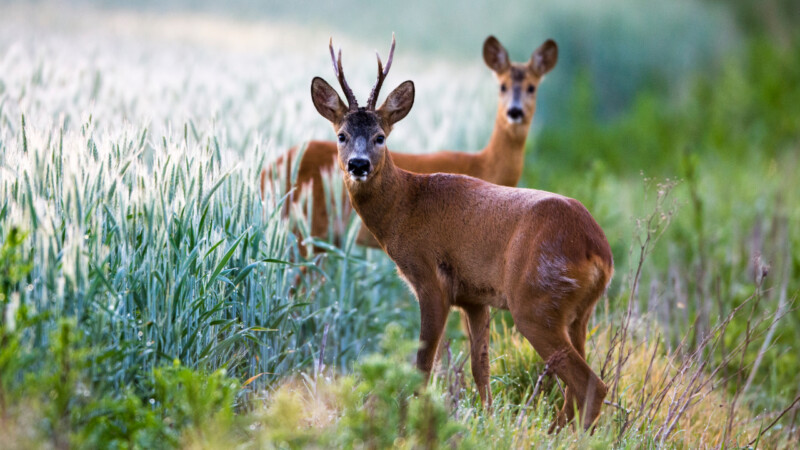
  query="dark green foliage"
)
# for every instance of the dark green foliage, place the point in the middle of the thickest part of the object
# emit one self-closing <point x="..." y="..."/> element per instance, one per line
<point x="390" y="406"/>
<point x="748" y="112"/>
<point x="14" y="267"/>
<point x="74" y="411"/>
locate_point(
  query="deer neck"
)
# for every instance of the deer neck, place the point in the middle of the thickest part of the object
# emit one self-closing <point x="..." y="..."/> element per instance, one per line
<point x="504" y="154"/>
<point x="378" y="200"/>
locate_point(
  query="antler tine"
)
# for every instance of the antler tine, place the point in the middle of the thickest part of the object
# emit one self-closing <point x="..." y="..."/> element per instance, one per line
<point x="352" y="103"/>
<point x="391" y="56"/>
<point x="382" y="72"/>
<point x="333" y="58"/>
<point x="380" y="64"/>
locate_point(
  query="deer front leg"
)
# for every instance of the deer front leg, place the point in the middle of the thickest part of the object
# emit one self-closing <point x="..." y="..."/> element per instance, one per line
<point x="433" y="317"/>
<point x="478" y="319"/>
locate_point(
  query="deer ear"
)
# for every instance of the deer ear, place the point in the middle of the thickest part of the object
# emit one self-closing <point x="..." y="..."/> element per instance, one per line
<point x="327" y="101"/>
<point x="544" y="58"/>
<point x="495" y="55"/>
<point x="398" y="103"/>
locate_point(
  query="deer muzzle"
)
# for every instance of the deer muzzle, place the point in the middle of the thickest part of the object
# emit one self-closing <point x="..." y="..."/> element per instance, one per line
<point x="359" y="168"/>
<point x="515" y="114"/>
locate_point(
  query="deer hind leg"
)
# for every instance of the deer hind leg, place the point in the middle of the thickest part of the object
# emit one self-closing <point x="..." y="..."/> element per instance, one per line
<point x="550" y="338"/>
<point x="577" y="336"/>
<point x="478" y="320"/>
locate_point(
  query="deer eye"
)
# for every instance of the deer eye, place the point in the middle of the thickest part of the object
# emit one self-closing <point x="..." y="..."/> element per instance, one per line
<point x="342" y="137"/>
<point x="503" y="87"/>
<point x="531" y="88"/>
<point x="379" y="140"/>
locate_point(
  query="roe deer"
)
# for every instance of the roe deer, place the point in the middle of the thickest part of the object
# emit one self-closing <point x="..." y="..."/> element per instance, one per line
<point x="500" y="162"/>
<point x="460" y="241"/>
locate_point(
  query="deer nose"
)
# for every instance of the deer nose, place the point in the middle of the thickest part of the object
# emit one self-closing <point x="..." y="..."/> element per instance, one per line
<point x="515" y="113"/>
<point x="358" y="167"/>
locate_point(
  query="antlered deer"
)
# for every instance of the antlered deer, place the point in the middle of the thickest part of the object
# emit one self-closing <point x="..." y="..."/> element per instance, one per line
<point x="500" y="162"/>
<point x="460" y="241"/>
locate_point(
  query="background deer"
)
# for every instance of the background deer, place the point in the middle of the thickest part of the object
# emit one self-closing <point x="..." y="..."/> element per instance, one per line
<point x="500" y="162"/>
<point x="460" y="241"/>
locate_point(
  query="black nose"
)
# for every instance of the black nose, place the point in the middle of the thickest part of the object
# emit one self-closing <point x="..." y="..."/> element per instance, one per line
<point x="358" y="166"/>
<point x="515" y="113"/>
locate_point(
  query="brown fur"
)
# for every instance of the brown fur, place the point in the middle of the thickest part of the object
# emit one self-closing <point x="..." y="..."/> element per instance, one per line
<point x="500" y="162"/>
<point x="462" y="242"/>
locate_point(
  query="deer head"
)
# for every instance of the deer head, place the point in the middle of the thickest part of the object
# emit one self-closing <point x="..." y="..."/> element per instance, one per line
<point x="519" y="81"/>
<point x="361" y="131"/>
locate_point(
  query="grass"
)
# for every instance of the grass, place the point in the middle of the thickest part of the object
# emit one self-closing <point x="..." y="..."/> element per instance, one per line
<point x="149" y="298"/>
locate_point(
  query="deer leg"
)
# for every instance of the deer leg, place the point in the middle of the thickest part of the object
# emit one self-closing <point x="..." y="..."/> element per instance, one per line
<point x="478" y="320"/>
<point x="551" y="340"/>
<point x="433" y="317"/>
<point x="577" y="336"/>
<point x="319" y="212"/>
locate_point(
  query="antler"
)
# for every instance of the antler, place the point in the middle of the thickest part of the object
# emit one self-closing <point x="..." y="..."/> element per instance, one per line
<point x="352" y="103"/>
<point x="373" y="96"/>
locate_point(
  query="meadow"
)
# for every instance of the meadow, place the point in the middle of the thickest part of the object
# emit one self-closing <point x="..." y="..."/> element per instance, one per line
<point x="150" y="298"/>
